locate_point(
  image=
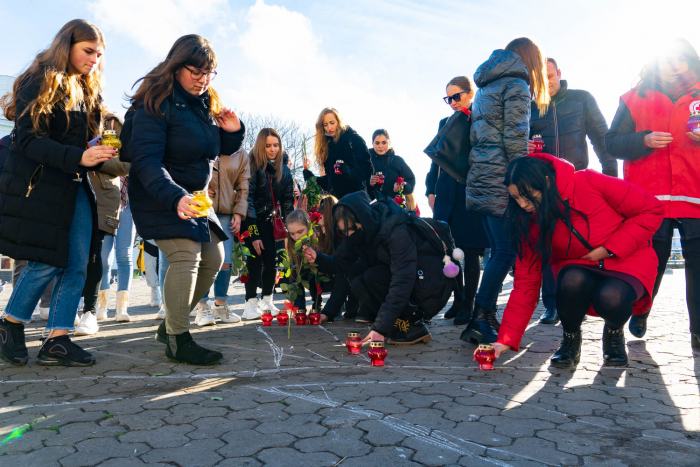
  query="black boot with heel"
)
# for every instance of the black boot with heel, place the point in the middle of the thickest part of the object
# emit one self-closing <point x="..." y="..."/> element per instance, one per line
<point x="569" y="352"/>
<point x="614" y="351"/>
<point x="481" y="328"/>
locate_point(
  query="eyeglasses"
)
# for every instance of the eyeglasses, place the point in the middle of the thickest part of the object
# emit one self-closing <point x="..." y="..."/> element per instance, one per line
<point x="197" y="74"/>
<point x="455" y="97"/>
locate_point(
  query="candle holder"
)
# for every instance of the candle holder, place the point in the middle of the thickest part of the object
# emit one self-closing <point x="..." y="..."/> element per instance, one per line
<point x="377" y="353"/>
<point x="538" y="142"/>
<point x="314" y="317"/>
<point x="336" y="167"/>
<point x="380" y="182"/>
<point x="354" y="343"/>
<point x="485" y="355"/>
<point x="109" y="138"/>
<point x="282" y="317"/>
<point x="202" y="198"/>
<point x="694" y="122"/>
<point x="266" y="318"/>
<point x="300" y="317"/>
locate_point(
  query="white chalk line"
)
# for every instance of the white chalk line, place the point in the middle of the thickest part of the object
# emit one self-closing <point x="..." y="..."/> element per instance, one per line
<point x="276" y="351"/>
<point x="329" y="332"/>
<point x="321" y="356"/>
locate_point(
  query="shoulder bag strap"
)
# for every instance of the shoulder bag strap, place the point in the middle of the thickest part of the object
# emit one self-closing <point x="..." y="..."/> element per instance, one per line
<point x="274" y="206"/>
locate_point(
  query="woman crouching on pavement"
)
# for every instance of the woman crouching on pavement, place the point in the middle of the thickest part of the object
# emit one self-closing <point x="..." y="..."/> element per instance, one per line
<point x="596" y="232"/>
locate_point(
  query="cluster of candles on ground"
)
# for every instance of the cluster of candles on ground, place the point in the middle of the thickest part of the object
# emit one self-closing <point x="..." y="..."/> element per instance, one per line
<point x="300" y="318"/>
<point x="377" y="352"/>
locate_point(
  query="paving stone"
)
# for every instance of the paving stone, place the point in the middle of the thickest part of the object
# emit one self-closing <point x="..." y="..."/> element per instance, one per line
<point x="384" y="456"/>
<point x="380" y="434"/>
<point x="538" y="450"/>
<point x="45" y="457"/>
<point x="431" y="453"/>
<point x="29" y="441"/>
<point x="242" y="443"/>
<point x="285" y="457"/>
<point x="200" y="453"/>
<point x="93" y="451"/>
<point x="169" y="436"/>
<point x="239" y="462"/>
<point x="146" y="420"/>
<point x="343" y="442"/>
<point x="301" y="426"/>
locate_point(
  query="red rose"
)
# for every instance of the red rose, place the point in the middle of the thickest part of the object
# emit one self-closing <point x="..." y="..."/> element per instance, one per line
<point x="399" y="180"/>
<point x="312" y="209"/>
<point x="244" y="278"/>
<point x="315" y="217"/>
<point x="318" y="289"/>
<point x="398" y="200"/>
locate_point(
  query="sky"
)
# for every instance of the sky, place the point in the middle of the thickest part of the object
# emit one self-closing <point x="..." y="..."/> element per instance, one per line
<point x="382" y="64"/>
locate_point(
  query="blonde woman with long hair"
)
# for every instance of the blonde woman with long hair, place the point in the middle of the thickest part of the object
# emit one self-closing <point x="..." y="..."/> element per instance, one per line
<point x="341" y="156"/>
<point x="49" y="215"/>
<point x="271" y="188"/>
<point x="180" y="127"/>
<point x="508" y="81"/>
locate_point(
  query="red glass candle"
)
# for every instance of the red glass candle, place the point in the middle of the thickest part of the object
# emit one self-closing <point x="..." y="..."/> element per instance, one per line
<point x="282" y="318"/>
<point x="485" y="355"/>
<point x="380" y="180"/>
<point x="266" y="318"/>
<point x="354" y="343"/>
<point x="314" y="317"/>
<point x="300" y="317"/>
<point x="377" y="353"/>
<point x="694" y="122"/>
<point x="539" y="143"/>
<point x="336" y="167"/>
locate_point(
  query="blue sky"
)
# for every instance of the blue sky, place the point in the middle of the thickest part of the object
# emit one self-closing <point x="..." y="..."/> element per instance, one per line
<point x="382" y="64"/>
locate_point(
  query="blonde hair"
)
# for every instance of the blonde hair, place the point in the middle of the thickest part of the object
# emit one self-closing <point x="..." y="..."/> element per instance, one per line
<point x="59" y="89"/>
<point x="158" y="84"/>
<point x="410" y="202"/>
<point x="297" y="216"/>
<point x="321" y="141"/>
<point x="258" y="155"/>
<point x="536" y="68"/>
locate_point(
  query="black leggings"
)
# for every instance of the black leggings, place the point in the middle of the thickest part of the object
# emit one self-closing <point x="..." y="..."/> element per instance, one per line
<point x="578" y="288"/>
<point x="93" y="281"/>
<point x="261" y="267"/>
<point x="472" y="272"/>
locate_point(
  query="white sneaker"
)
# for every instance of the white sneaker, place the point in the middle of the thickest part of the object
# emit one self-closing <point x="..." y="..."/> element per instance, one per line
<point x="193" y="313"/>
<point x="87" y="325"/>
<point x="266" y="304"/>
<point x="161" y="313"/>
<point x="76" y="321"/>
<point x="44" y="313"/>
<point x="251" y="310"/>
<point x="224" y="314"/>
<point x="122" y="306"/>
<point x="155" y="297"/>
<point x="204" y="315"/>
<point x="102" y="304"/>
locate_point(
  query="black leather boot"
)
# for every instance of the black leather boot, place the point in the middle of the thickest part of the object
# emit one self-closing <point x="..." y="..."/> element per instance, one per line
<point x="569" y="352"/>
<point x="638" y="324"/>
<point x="185" y="350"/>
<point x="550" y="316"/>
<point x="161" y="333"/>
<point x="695" y="341"/>
<point x="465" y="313"/>
<point x="458" y="298"/>
<point x="614" y="352"/>
<point x="480" y="329"/>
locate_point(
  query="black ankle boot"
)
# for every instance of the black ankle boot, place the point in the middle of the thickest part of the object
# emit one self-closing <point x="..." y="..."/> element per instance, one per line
<point x="614" y="352"/>
<point x="638" y="324"/>
<point x="480" y="329"/>
<point x="185" y="350"/>
<point x="695" y="341"/>
<point x="161" y="333"/>
<point x="569" y="352"/>
<point x="550" y="316"/>
<point x="456" y="306"/>
<point x="13" y="348"/>
<point x="465" y="314"/>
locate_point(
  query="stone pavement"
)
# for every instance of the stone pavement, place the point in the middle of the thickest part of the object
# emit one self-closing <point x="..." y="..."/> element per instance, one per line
<point x="304" y="401"/>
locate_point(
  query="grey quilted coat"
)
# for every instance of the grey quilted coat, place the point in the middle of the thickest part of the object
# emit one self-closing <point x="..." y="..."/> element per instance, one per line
<point x="500" y="128"/>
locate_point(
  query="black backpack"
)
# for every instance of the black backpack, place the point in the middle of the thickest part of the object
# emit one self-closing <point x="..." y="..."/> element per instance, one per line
<point x="436" y="233"/>
<point x="127" y="128"/>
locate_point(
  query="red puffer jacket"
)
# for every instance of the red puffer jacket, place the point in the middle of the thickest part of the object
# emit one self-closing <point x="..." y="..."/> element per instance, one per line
<point x="622" y="218"/>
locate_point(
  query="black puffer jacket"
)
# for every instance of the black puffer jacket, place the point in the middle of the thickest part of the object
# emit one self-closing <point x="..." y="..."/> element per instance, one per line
<point x="571" y="116"/>
<point x="392" y="167"/>
<point x="356" y="168"/>
<point x="500" y="128"/>
<point x="171" y="159"/>
<point x="34" y="224"/>
<point x="259" y="196"/>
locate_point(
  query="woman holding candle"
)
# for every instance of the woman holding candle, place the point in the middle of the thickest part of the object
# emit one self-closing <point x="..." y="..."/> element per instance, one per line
<point x="391" y="167"/>
<point x="180" y="127"/>
<point x="48" y="214"/>
<point x="596" y="232"/>
<point x="651" y="134"/>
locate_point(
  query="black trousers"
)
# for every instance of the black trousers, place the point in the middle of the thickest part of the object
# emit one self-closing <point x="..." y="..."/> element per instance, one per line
<point x="691" y="253"/>
<point x="93" y="281"/>
<point x="371" y="289"/>
<point x="261" y="268"/>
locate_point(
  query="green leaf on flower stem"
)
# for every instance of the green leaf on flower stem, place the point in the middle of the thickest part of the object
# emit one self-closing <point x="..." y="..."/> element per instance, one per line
<point x="314" y="242"/>
<point x="305" y="284"/>
<point x="284" y="287"/>
<point x="292" y="296"/>
<point x="288" y="273"/>
<point x="323" y="279"/>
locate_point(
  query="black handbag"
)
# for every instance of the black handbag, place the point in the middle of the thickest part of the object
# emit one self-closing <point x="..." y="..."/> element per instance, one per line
<point x="450" y="148"/>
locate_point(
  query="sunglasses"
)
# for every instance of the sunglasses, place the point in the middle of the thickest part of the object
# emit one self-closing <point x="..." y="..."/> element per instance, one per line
<point x="455" y="97"/>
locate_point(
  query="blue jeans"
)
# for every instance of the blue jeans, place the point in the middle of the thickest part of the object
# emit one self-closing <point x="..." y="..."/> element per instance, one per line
<point x="124" y="252"/>
<point x="70" y="281"/>
<point x="223" y="278"/>
<point x="549" y="288"/>
<point x="163" y="265"/>
<point x="501" y="260"/>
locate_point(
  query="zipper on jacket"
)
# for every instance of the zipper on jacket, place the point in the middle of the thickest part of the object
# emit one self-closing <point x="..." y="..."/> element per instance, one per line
<point x="556" y="131"/>
<point x="32" y="182"/>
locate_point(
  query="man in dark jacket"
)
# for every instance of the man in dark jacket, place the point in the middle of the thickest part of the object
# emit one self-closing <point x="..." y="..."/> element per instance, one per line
<point x="573" y="114"/>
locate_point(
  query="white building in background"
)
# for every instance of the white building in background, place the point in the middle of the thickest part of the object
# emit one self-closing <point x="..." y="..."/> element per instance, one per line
<point x="5" y="87"/>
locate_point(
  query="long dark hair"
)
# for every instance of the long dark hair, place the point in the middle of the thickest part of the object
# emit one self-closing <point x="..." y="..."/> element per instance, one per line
<point x="649" y="76"/>
<point x="527" y="174"/>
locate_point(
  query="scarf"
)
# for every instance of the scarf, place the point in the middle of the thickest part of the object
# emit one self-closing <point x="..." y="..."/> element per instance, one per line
<point x="124" y="195"/>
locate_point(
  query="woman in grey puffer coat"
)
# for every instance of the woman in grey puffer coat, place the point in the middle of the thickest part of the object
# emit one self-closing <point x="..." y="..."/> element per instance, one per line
<point x="499" y="134"/>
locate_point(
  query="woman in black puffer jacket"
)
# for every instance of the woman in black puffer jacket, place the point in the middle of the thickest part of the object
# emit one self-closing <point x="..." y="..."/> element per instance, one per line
<point x="269" y="177"/>
<point x="507" y="82"/>
<point x="385" y="160"/>
<point x="179" y="128"/>
<point x="336" y="142"/>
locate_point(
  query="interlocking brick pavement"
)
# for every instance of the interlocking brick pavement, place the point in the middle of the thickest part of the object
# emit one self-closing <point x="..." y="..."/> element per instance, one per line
<point x="304" y="401"/>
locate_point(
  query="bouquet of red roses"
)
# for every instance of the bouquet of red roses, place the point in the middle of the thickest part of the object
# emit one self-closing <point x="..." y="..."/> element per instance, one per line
<point x="398" y="188"/>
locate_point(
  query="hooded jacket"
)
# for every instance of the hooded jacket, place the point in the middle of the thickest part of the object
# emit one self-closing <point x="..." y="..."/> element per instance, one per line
<point x="500" y="128"/>
<point x="621" y="217"/>
<point x="392" y="167"/>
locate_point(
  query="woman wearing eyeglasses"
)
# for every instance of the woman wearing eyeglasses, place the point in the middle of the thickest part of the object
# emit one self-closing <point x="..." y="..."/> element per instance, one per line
<point x="180" y="126"/>
<point x="446" y="199"/>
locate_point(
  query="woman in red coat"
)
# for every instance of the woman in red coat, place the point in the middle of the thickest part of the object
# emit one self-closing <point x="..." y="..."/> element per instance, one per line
<point x="608" y="272"/>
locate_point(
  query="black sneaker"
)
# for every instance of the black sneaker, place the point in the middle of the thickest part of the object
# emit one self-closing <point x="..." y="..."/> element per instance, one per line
<point x="61" y="351"/>
<point x="183" y="349"/>
<point x="161" y="333"/>
<point x="405" y="333"/>
<point x="12" y="346"/>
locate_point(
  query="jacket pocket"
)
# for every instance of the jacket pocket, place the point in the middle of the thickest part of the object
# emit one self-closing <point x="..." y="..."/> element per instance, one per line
<point x="34" y="179"/>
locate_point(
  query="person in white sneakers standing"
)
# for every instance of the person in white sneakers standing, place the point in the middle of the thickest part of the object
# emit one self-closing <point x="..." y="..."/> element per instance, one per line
<point x="228" y="190"/>
<point x="271" y="186"/>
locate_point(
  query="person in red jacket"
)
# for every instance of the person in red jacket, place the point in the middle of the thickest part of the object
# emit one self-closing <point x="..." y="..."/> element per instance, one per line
<point x="596" y="232"/>
<point x="650" y="134"/>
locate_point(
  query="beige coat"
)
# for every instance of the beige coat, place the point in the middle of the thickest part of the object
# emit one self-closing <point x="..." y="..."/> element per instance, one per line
<point x="107" y="186"/>
<point x="229" y="186"/>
